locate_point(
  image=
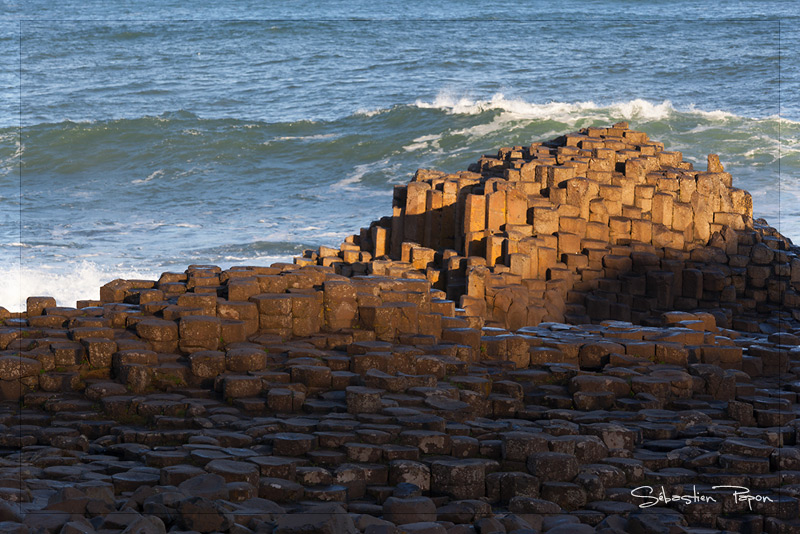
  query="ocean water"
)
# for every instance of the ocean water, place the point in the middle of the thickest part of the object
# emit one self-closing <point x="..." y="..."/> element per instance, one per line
<point x="148" y="136"/>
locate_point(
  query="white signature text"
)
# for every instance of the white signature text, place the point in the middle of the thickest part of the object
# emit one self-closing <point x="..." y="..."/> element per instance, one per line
<point x="740" y="494"/>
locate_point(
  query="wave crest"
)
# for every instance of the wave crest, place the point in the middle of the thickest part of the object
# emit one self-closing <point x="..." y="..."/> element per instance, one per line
<point x="636" y="109"/>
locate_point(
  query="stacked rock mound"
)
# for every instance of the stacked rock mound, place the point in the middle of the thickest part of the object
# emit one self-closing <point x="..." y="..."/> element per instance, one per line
<point x="599" y="224"/>
<point x="348" y="393"/>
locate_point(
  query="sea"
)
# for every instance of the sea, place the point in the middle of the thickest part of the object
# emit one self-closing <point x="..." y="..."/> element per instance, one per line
<point x="138" y="137"/>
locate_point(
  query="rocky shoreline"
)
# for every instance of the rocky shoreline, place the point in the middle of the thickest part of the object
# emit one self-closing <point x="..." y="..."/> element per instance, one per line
<point x="580" y="335"/>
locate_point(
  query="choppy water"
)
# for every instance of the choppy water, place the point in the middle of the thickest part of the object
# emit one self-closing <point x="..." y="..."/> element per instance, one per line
<point x="149" y="145"/>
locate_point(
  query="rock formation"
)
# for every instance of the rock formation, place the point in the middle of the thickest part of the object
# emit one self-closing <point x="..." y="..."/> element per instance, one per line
<point x="600" y="224"/>
<point x="544" y="343"/>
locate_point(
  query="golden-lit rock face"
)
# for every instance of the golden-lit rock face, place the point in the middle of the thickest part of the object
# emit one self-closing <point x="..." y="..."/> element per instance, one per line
<point x="598" y="224"/>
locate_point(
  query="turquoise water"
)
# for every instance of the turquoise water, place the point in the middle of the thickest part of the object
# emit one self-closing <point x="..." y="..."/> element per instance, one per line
<point x="197" y="136"/>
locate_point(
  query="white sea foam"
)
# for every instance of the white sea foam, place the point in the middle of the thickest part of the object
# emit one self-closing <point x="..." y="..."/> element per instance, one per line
<point x="782" y="120"/>
<point x="558" y="111"/>
<point x="715" y="115"/>
<point x="359" y="171"/>
<point x="82" y="280"/>
<point x="350" y="180"/>
<point x="152" y="176"/>
<point x="303" y="137"/>
<point x="641" y="110"/>
<point x="66" y="283"/>
<point x="570" y="112"/>
<point x="425" y="141"/>
<point x="371" y="112"/>
<point x="150" y="226"/>
<point x="11" y="163"/>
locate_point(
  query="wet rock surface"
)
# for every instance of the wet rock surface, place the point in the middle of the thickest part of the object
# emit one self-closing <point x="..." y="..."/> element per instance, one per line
<point x="454" y="379"/>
